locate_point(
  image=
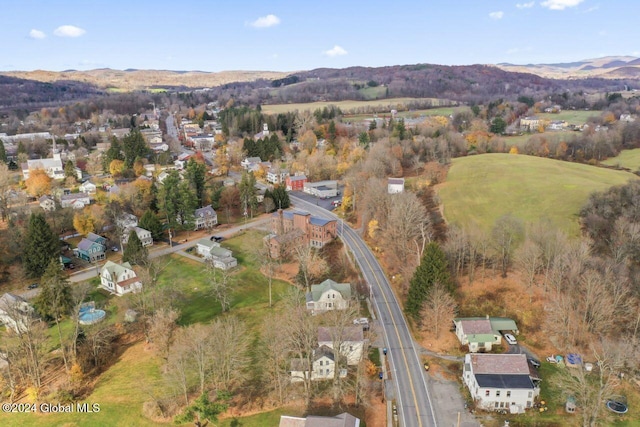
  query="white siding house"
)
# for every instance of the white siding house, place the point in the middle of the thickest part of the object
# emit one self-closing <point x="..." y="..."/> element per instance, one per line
<point x="500" y="381"/>
<point x="328" y="295"/>
<point x="119" y="279"/>
<point x="351" y="339"/>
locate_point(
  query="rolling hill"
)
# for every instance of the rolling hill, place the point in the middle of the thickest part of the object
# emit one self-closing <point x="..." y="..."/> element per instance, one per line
<point x="480" y="189"/>
<point x="608" y="67"/>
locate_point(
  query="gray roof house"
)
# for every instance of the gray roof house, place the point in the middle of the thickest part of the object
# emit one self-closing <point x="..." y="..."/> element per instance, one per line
<point x="47" y="203"/>
<point x="220" y="257"/>
<point x="342" y="420"/>
<point x="205" y="217"/>
<point x="482" y="333"/>
<point x="328" y="295"/>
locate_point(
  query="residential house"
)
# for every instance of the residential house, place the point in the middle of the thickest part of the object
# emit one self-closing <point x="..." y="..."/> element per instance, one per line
<point x="203" y="142"/>
<point x="557" y="125"/>
<point x="342" y="420"/>
<point x="482" y="333"/>
<point x="144" y="235"/>
<point x="53" y="167"/>
<point x="627" y="118"/>
<point x="529" y="123"/>
<point x="127" y="221"/>
<point x="321" y="189"/>
<point x="159" y="147"/>
<point x="47" y="203"/>
<point x="501" y="381"/>
<point x="351" y="339"/>
<point x="205" y="218"/>
<point x="323" y="366"/>
<point x="250" y="163"/>
<point x="222" y="258"/>
<point x="395" y="185"/>
<point x="75" y="200"/>
<point x="277" y="175"/>
<point x="119" y="279"/>
<point x="87" y="187"/>
<point x="15" y="312"/>
<point x="92" y="248"/>
<point x="295" y="183"/>
<point x="328" y="295"/>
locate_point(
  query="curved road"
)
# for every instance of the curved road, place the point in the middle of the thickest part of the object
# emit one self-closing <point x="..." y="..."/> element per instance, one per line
<point x="413" y="396"/>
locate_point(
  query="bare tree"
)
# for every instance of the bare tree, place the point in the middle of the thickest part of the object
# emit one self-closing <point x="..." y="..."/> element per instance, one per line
<point x="439" y="308"/>
<point x="507" y="233"/>
<point x="229" y="347"/>
<point x="161" y="327"/>
<point x="275" y="355"/>
<point x="179" y="373"/>
<point x="529" y="261"/>
<point x="311" y="265"/>
<point x="269" y="265"/>
<point x="221" y="285"/>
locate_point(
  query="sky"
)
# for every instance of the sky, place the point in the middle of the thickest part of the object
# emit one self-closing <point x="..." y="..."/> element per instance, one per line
<point x="293" y="35"/>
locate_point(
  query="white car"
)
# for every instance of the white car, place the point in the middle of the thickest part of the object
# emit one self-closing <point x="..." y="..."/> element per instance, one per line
<point x="510" y="339"/>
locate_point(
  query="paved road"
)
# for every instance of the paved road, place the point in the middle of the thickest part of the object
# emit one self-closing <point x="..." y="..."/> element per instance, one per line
<point x="413" y="394"/>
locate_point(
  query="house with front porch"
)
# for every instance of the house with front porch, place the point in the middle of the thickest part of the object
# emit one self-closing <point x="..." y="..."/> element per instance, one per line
<point x="501" y="381"/>
<point x="119" y="279"/>
<point x="350" y="339"/>
<point x="205" y="218"/>
<point x="92" y="248"/>
<point x="88" y="187"/>
<point x="328" y="295"/>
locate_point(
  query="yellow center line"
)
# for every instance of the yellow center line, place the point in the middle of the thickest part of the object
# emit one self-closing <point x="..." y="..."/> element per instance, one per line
<point x="395" y="327"/>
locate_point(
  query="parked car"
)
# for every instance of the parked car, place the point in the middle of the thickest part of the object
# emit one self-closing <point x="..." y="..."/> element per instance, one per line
<point x="114" y="249"/>
<point x="217" y="238"/>
<point x="510" y="339"/>
<point x="32" y="286"/>
<point x="336" y="203"/>
<point x="534" y="362"/>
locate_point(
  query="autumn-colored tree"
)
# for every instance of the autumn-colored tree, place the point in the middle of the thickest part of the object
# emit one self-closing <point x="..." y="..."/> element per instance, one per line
<point x="38" y="183"/>
<point x="138" y="167"/>
<point x="513" y="150"/>
<point x="116" y="167"/>
<point x="84" y="222"/>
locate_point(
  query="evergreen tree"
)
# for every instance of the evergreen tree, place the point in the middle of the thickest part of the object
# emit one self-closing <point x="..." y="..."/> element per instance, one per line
<point x="498" y="126"/>
<point x="113" y="153"/>
<point x="134" y="147"/>
<point x="55" y="298"/>
<point x="248" y="192"/>
<point x="3" y="152"/>
<point x="195" y="174"/>
<point x="280" y="197"/>
<point x="150" y="222"/>
<point x="433" y="269"/>
<point x="69" y="169"/>
<point x="332" y="133"/>
<point x="41" y="246"/>
<point x="187" y="204"/>
<point x="373" y="125"/>
<point x="202" y="410"/>
<point x="134" y="252"/>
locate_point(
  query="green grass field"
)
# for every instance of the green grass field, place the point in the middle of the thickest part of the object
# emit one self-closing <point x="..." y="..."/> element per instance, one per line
<point x="391" y="103"/>
<point x="573" y="117"/>
<point x="480" y="189"/>
<point x="629" y="159"/>
<point x="413" y="114"/>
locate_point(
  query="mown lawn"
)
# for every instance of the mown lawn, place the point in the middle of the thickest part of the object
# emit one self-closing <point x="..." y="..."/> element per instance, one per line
<point x="480" y="189"/>
<point x="343" y="105"/>
<point x="629" y="159"/>
<point x="137" y="374"/>
<point x="573" y="117"/>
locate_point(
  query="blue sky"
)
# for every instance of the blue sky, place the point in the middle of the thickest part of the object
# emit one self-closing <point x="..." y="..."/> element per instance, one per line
<point x="288" y="35"/>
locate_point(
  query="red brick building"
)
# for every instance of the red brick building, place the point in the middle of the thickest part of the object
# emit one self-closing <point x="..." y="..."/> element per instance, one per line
<point x="293" y="228"/>
<point x="295" y="183"/>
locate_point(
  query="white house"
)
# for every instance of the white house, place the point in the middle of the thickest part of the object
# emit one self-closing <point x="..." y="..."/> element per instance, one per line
<point x="500" y="381"/>
<point x="119" y="279"/>
<point x="127" y="221"/>
<point x="74" y="200"/>
<point x="47" y="203"/>
<point x="144" y="235"/>
<point x="323" y="366"/>
<point x="276" y="175"/>
<point x="350" y="338"/>
<point x="321" y="189"/>
<point x="342" y="420"/>
<point x="205" y="217"/>
<point x="328" y="295"/>
<point x="15" y="312"/>
<point x="395" y="185"/>
<point x="482" y="333"/>
<point x="250" y="163"/>
<point x="87" y="187"/>
<point x="220" y="257"/>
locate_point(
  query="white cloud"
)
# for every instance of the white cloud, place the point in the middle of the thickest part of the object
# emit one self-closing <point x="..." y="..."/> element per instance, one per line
<point x="266" y="21"/>
<point x="335" y="51"/>
<point x="37" y="34"/>
<point x="525" y="5"/>
<point x="592" y="9"/>
<point x="68" y="31"/>
<point x="496" y="15"/>
<point x="560" y="4"/>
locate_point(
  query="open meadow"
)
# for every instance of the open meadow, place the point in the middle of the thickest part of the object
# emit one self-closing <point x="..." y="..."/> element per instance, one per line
<point x="573" y="117"/>
<point x="381" y="104"/>
<point x="480" y="189"/>
<point x="629" y="159"/>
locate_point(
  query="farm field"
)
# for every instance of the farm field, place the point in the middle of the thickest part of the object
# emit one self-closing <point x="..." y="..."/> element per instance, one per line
<point x="391" y="103"/>
<point x="480" y="189"/>
<point x="629" y="159"/>
<point x="412" y="114"/>
<point x="573" y="117"/>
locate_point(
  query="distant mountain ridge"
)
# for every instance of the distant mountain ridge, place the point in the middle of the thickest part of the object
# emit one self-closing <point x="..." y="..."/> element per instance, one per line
<point x="607" y="67"/>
